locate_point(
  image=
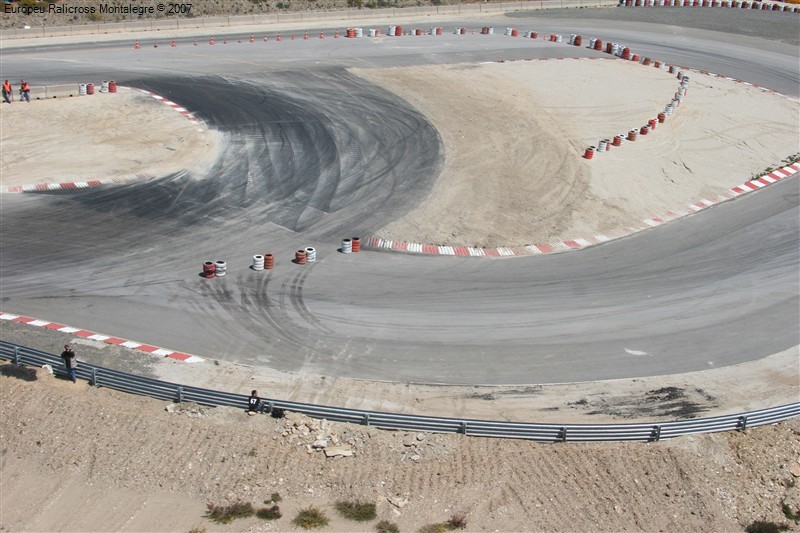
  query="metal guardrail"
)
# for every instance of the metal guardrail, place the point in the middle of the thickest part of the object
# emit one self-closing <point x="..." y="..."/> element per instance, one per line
<point x="642" y="432"/>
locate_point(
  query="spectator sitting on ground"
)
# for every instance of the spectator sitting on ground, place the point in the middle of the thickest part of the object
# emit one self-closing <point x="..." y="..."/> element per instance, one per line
<point x="254" y="404"/>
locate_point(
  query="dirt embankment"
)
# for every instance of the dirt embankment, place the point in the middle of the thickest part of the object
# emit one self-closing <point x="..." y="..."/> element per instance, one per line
<point x="199" y="8"/>
<point x="76" y="458"/>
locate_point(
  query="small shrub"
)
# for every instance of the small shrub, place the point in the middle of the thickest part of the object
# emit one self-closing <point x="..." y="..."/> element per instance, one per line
<point x="457" y="521"/>
<point x="269" y="513"/>
<point x="762" y="526"/>
<point x="358" y="511"/>
<point x="274" y="498"/>
<point x="310" y="518"/>
<point x="788" y="513"/>
<point x="197" y="529"/>
<point x="384" y="526"/>
<point x="224" y="514"/>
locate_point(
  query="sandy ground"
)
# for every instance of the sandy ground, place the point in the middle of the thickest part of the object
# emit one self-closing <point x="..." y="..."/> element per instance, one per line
<point x="514" y="174"/>
<point x="77" y="458"/>
<point x="99" y="136"/>
<point x="81" y="459"/>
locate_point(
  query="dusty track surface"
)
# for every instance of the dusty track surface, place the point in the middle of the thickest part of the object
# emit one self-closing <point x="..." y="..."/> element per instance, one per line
<point x="144" y="469"/>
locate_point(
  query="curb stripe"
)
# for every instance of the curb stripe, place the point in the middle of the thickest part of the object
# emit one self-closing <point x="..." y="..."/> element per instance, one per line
<point x="147" y="348"/>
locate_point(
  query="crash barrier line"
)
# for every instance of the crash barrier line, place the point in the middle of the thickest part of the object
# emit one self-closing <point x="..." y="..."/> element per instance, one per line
<point x="640" y="432"/>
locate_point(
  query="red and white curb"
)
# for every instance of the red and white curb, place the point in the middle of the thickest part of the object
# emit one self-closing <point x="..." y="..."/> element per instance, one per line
<point x="577" y="244"/>
<point x="108" y="339"/>
<point x="177" y="107"/>
<point x="74" y="185"/>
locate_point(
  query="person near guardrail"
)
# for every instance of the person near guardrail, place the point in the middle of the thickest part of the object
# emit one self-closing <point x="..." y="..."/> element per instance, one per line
<point x="70" y="363"/>
<point x="255" y="404"/>
<point x="24" y="91"/>
<point x="7" y="92"/>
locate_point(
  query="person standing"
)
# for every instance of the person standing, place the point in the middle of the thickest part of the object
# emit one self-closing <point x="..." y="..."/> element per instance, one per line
<point x="24" y="91"/>
<point x="7" y="94"/>
<point x="70" y="363"/>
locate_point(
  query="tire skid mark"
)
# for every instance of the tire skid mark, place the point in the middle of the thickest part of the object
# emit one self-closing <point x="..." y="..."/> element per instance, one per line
<point x="296" y="297"/>
<point x="260" y="309"/>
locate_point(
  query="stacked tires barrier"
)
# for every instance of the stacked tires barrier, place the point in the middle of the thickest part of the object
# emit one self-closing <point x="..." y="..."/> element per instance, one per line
<point x="347" y="246"/>
<point x="222" y="268"/>
<point x="625" y="53"/>
<point x="105" y="87"/>
<point x="209" y="269"/>
<point x="99" y="376"/>
<point x="300" y="257"/>
<point x="311" y="254"/>
<point x="269" y="261"/>
<point x="258" y="262"/>
<point x="763" y="6"/>
<point x="356" y="241"/>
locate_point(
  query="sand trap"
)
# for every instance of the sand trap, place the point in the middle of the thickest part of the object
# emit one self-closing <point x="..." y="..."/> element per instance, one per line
<point x="514" y="134"/>
<point x="98" y="136"/>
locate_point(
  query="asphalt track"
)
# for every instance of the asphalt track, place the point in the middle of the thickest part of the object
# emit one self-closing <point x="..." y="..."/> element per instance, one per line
<point x="315" y="154"/>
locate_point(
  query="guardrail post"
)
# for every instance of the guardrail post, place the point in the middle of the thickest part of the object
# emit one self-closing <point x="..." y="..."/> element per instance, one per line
<point x="270" y="406"/>
<point x="742" y="423"/>
<point x="657" y="433"/>
<point x="463" y="428"/>
<point x="16" y="355"/>
<point x="94" y="378"/>
<point x="562" y="435"/>
<point x="180" y="394"/>
<point x="366" y="419"/>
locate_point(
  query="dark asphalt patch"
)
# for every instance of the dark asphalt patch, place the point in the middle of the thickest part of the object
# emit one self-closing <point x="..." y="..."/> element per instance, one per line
<point x="667" y="402"/>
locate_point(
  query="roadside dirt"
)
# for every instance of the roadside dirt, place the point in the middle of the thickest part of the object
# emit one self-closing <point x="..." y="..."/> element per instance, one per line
<point x="76" y="458"/>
